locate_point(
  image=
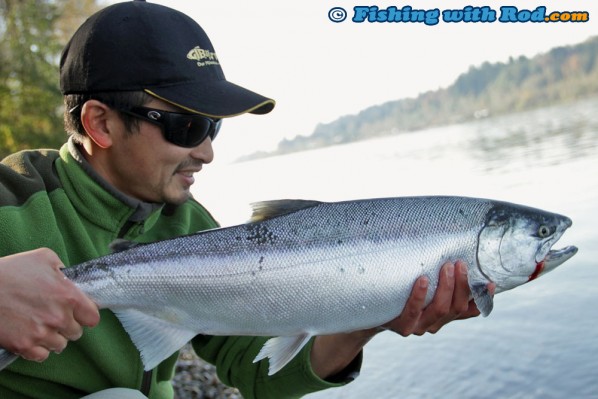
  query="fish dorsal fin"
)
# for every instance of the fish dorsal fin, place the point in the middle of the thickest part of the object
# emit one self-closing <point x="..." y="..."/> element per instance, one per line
<point x="265" y="210"/>
<point x="154" y="336"/>
<point x="281" y="350"/>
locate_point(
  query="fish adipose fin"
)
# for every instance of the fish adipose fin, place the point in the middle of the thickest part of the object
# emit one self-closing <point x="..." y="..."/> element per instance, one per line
<point x="482" y="297"/>
<point x="281" y="350"/>
<point x="270" y="209"/>
<point x="120" y="244"/>
<point x="155" y="338"/>
<point x="6" y="358"/>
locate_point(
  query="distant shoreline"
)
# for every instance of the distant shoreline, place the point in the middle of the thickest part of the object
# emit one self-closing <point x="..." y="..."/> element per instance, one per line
<point x="562" y="75"/>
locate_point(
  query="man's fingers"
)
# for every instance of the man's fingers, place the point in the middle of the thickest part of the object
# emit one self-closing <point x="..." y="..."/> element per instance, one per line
<point x="72" y="332"/>
<point x="407" y="322"/>
<point x="56" y="343"/>
<point x="85" y="311"/>
<point x="440" y="307"/>
<point x="41" y="310"/>
<point x="35" y="353"/>
<point x="461" y="293"/>
<point x="451" y="301"/>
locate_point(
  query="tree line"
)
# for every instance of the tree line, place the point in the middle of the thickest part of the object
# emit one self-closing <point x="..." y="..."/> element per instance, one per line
<point x="32" y="35"/>
<point x="562" y="74"/>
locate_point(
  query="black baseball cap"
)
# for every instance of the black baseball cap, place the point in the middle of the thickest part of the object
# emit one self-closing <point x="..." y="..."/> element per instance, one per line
<point x="140" y="46"/>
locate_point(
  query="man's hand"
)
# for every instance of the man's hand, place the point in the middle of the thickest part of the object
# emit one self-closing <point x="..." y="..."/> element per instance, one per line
<point x="41" y="310"/>
<point x="450" y="302"/>
<point x="332" y="353"/>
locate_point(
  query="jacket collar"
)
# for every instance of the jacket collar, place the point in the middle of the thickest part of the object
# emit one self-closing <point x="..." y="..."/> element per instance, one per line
<point x="98" y="200"/>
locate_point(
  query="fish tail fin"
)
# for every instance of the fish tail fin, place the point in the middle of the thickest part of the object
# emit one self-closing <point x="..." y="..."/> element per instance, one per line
<point x="6" y="358"/>
<point x="281" y="350"/>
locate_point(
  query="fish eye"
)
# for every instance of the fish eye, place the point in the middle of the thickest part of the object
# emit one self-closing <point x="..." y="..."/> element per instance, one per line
<point x="543" y="231"/>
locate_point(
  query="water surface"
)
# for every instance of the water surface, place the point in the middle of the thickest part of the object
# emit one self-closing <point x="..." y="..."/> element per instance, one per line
<point x="541" y="341"/>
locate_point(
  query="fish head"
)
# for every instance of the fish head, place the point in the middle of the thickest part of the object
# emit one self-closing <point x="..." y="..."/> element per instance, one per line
<point x="515" y="244"/>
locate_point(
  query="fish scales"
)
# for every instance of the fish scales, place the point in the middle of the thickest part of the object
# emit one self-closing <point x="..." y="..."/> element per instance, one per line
<point x="306" y="268"/>
<point x="327" y="257"/>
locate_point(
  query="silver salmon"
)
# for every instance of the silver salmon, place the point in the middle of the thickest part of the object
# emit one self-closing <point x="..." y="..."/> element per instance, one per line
<point x="304" y="268"/>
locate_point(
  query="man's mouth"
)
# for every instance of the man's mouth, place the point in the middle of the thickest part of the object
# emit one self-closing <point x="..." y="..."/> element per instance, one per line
<point x="187" y="175"/>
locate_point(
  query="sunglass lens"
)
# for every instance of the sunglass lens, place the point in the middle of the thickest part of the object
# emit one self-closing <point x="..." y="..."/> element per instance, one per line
<point x="199" y="129"/>
<point x="187" y="131"/>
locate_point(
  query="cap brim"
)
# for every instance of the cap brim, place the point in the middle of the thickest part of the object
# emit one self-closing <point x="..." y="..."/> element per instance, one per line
<point x="219" y="99"/>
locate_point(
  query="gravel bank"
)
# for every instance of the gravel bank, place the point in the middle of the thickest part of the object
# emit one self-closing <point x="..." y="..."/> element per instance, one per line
<point x="196" y="379"/>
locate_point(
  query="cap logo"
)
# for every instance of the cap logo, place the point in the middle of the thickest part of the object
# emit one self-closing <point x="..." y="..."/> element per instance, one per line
<point x="203" y="57"/>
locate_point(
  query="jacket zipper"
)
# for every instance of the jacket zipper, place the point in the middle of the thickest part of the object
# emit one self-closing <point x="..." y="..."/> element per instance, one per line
<point x="146" y="382"/>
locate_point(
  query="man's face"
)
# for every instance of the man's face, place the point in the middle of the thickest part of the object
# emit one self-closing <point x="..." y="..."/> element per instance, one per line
<point x="147" y="167"/>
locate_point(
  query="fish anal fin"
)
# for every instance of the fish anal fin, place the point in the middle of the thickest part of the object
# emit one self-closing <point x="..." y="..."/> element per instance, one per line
<point x="265" y="210"/>
<point x="281" y="350"/>
<point x="155" y="338"/>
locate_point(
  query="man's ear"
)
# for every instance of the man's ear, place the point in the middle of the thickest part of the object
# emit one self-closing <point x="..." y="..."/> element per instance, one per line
<point x="94" y="117"/>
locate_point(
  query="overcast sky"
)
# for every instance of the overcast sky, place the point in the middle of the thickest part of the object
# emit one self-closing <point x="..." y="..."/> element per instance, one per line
<point x="318" y="70"/>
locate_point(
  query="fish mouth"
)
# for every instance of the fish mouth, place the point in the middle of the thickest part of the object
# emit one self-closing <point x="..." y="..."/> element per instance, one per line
<point x="552" y="260"/>
<point x="553" y="256"/>
<point x="557" y="257"/>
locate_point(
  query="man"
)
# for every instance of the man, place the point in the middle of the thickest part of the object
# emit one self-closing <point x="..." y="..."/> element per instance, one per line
<point x="144" y="98"/>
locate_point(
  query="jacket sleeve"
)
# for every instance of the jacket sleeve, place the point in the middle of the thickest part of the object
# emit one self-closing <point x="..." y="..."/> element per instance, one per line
<point x="233" y="358"/>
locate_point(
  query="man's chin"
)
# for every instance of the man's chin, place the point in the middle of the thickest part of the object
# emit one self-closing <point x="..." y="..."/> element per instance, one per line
<point x="179" y="198"/>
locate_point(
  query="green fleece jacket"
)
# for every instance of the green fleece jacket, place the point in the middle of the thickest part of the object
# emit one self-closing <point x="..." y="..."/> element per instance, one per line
<point x="54" y="199"/>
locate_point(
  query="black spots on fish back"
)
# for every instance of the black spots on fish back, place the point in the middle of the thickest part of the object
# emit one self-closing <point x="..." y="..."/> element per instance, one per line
<point x="86" y="269"/>
<point x="260" y="234"/>
<point x="102" y="266"/>
<point x="460" y="217"/>
<point x="352" y="269"/>
<point x="498" y="215"/>
<point x="370" y="216"/>
<point x="260" y="266"/>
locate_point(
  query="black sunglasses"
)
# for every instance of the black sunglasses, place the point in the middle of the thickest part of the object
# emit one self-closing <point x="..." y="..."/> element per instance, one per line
<point x="184" y="130"/>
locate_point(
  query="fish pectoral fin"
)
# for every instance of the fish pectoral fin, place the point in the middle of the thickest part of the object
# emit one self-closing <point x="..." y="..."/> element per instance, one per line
<point x="6" y="358"/>
<point x="281" y="350"/>
<point x="155" y="338"/>
<point x="482" y="297"/>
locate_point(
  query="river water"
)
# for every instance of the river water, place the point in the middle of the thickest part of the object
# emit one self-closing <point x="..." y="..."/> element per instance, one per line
<point x="541" y="341"/>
